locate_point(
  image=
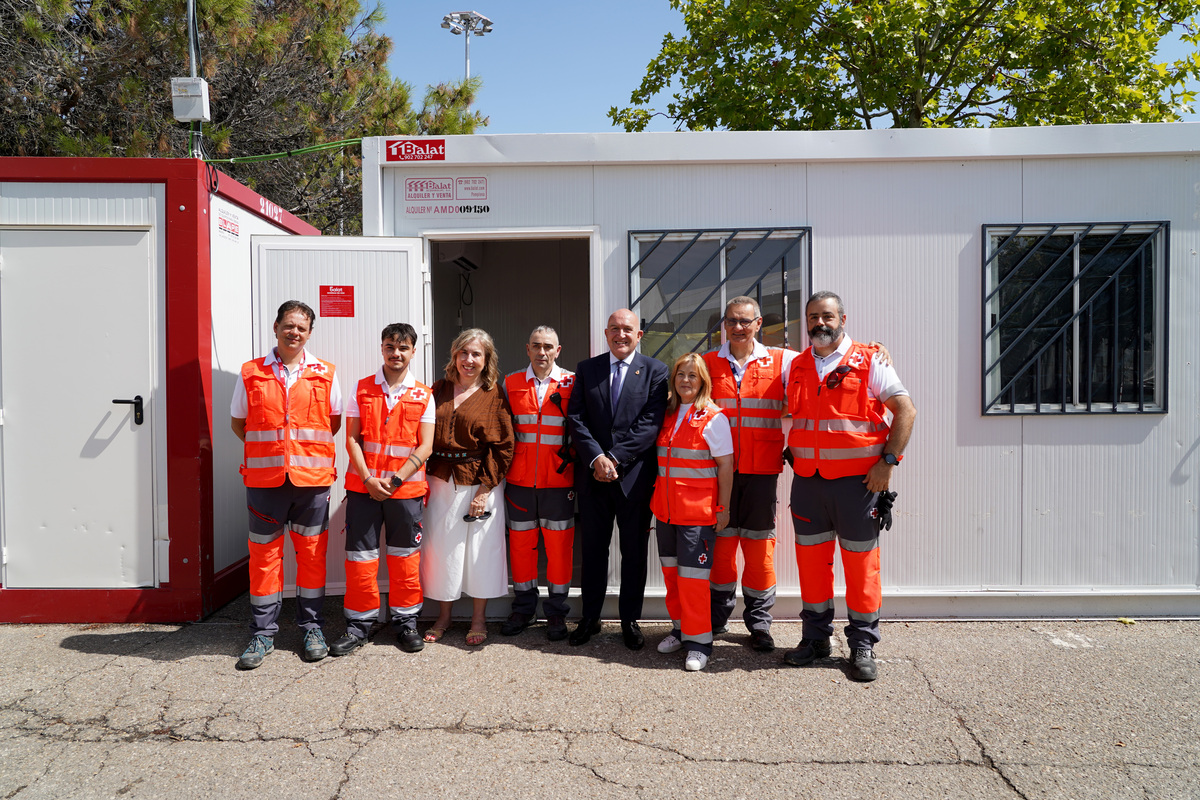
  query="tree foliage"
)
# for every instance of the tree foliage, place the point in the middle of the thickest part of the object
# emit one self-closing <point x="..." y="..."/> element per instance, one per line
<point x="804" y="65"/>
<point x="92" y="78"/>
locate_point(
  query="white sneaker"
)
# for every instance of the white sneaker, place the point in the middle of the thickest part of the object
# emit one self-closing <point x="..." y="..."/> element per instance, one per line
<point x="670" y="644"/>
<point x="696" y="661"/>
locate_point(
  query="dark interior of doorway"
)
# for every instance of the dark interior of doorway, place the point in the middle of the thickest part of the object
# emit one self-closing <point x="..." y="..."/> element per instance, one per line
<point x="508" y="287"/>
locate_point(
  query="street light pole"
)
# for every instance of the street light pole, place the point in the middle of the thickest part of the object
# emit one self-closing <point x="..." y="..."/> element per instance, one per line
<point x="467" y="22"/>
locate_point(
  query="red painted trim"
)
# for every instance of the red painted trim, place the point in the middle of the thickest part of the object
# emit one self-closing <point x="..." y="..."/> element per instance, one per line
<point x="93" y="170"/>
<point x="256" y="204"/>
<point x="98" y="605"/>
<point x="188" y="382"/>
<point x="227" y="585"/>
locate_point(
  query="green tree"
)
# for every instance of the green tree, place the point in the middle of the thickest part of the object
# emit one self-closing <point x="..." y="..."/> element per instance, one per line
<point x="92" y="78"/>
<point x="804" y="65"/>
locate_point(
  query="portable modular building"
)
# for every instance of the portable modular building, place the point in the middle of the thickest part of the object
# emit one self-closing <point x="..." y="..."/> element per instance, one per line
<point x="1037" y="287"/>
<point x="114" y="274"/>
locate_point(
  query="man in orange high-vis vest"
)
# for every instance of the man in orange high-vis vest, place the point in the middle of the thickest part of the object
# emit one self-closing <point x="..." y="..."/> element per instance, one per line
<point x="750" y="385"/>
<point x="389" y="435"/>
<point x="286" y="408"/>
<point x="843" y="454"/>
<point x="539" y="492"/>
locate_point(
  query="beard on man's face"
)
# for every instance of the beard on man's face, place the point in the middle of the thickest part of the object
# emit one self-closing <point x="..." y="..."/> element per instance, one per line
<point x="823" y="335"/>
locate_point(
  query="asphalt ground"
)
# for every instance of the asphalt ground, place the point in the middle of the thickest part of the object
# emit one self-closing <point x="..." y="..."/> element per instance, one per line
<point x="1008" y="709"/>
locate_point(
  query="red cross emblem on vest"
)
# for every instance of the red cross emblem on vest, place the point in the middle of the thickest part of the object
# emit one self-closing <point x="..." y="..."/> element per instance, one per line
<point x="856" y="360"/>
<point x="415" y="393"/>
<point x="318" y="368"/>
<point x="566" y="381"/>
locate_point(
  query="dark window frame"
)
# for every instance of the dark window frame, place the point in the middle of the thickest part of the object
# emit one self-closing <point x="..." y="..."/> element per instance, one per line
<point x="642" y="244"/>
<point x="998" y="394"/>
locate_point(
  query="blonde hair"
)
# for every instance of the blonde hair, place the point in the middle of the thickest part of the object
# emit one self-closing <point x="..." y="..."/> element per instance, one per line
<point x="490" y="374"/>
<point x="703" y="395"/>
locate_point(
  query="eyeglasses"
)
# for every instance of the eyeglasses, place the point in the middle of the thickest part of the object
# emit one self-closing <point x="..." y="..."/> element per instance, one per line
<point x="834" y="379"/>
<point x="744" y="323"/>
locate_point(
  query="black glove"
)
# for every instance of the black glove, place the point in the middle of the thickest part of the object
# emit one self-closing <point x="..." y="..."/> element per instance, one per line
<point x="788" y="457"/>
<point x="883" y="510"/>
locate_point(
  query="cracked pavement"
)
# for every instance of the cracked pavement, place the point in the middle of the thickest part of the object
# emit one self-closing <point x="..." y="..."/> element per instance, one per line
<point x="1005" y="709"/>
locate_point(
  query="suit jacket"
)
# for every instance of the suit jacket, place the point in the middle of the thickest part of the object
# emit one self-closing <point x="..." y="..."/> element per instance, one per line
<point x="628" y="435"/>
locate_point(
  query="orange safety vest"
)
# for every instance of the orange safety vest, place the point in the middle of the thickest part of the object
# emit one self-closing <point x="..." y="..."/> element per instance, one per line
<point x="754" y="410"/>
<point x="288" y="432"/>
<point x="840" y="431"/>
<point x="389" y="437"/>
<point x="540" y="432"/>
<point x="686" y="490"/>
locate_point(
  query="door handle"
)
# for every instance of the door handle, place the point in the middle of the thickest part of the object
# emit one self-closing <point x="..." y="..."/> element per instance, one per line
<point x="136" y="402"/>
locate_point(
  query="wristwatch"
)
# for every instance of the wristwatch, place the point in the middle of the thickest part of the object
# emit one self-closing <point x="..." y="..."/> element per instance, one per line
<point x="892" y="460"/>
<point x="396" y="481"/>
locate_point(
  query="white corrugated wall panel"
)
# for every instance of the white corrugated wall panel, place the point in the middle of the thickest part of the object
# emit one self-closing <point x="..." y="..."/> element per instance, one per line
<point x="232" y="345"/>
<point x="115" y="204"/>
<point x="1114" y="500"/>
<point x="900" y="242"/>
<point x="674" y="196"/>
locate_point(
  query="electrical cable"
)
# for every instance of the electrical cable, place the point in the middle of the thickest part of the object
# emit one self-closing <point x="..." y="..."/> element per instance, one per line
<point x="316" y="148"/>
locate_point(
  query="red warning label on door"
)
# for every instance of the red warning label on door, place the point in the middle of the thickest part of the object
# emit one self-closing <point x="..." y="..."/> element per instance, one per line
<point x="337" y="301"/>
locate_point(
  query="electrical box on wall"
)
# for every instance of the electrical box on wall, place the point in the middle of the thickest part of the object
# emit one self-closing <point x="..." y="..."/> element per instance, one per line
<point x="189" y="99"/>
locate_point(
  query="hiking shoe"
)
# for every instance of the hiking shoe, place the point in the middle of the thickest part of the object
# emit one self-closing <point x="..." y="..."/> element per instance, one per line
<point x="670" y="644"/>
<point x="808" y="651"/>
<point x="259" y="648"/>
<point x="515" y="623"/>
<point x="862" y="665"/>
<point x="762" y="641"/>
<point x="410" y="641"/>
<point x="346" y="645"/>
<point x="314" y="645"/>
<point x="696" y="661"/>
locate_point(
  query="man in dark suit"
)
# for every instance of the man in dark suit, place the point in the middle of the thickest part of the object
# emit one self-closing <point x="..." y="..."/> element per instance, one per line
<point x="614" y="413"/>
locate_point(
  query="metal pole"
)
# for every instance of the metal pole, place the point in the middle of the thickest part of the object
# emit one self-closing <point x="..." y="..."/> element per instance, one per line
<point x="467" y="39"/>
<point x="191" y="34"/>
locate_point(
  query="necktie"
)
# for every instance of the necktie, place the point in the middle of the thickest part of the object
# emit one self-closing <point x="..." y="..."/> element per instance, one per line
<point x="615" y="389"/>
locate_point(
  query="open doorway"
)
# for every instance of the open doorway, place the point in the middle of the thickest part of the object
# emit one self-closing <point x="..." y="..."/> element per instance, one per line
<point x="508" y="287"/>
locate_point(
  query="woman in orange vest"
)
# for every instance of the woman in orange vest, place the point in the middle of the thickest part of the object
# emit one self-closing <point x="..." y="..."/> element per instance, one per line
<point x="690" y="504"/>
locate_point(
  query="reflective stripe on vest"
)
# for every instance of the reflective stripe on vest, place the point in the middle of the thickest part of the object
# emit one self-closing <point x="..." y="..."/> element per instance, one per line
<point x="288" y="432"/>
<point x="540" y="431"/>
<point x="389" y="437"/>
<point x="685" y="492"/>
<point x="754" y="410"/>
<point x="839" y="431"/>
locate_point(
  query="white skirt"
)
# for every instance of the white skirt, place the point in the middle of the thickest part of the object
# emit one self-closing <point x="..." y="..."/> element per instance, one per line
<point x="460" y="557"/>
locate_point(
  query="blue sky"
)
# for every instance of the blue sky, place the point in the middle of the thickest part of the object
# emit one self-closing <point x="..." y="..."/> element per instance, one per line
<point x="548" y="67"/>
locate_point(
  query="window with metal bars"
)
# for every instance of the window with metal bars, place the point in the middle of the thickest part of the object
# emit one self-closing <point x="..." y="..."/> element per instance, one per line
<point x="1074" y="318"/>
<point x="680" y="281"/>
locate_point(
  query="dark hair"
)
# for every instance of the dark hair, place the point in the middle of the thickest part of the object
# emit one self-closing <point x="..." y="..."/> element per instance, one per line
<point x="400" y="330"/>
<point x="296" y="305"/>
<point x="826" y="296"/>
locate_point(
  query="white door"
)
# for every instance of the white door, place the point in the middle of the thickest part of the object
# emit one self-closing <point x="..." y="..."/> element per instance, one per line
<point x="356" y="286"/>
<point x="77" y="312"/>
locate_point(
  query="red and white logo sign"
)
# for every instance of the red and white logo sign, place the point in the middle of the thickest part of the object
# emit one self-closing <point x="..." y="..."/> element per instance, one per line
<point x="415" y="150"/>
<point x="337" y="301"/>
<point x="429" y="189"/>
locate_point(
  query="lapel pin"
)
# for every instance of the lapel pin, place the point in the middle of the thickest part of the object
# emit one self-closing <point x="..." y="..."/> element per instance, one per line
<point x="637" y="372"/>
